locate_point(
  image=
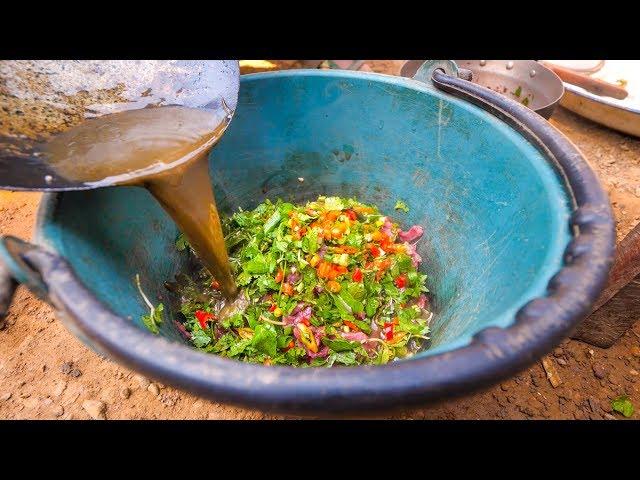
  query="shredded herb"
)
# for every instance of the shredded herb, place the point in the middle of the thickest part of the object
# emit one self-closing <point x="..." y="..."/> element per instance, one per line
<point x="623" y="405"/>
<point x="181" y="242"/>
<point x="400" y="205"/>
<point x="331" y="282"/>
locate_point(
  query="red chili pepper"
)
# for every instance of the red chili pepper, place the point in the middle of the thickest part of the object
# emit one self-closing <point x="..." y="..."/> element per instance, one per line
<point x="203" y="317"/>
<point x="279" y="276"/>
<point x="306" y="322"/>
<point x="375" y="251"/>
<point x="273" y="307"/>
<point x="401" y="281"/>
<point x="357" y="275"/>
<point x="351" y="325"/>
<point x="287" y="289"/>
<point x="388" y="330"/>
<point x="351" y="214"/>
<point x="215" y="285"/>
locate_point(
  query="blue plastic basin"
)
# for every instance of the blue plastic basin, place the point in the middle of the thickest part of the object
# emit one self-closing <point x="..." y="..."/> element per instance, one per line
<point x="496" y="207"/>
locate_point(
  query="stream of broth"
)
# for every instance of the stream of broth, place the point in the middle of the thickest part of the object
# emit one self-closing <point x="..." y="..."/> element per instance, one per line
<point x="164" y="149"/>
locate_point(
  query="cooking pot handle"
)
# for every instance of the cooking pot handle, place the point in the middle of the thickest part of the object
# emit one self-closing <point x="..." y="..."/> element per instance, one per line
<point x="23" y="262"/>
<point x="425" y="71"/>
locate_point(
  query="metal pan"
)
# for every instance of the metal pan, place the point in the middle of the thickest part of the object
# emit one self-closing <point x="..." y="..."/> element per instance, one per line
<point x="526" y="81"/>
<point x="620" y="114"/>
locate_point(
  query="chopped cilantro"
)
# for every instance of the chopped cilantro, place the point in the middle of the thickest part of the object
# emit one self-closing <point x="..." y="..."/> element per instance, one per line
<point x="326" y="283"/>
<point x="400" y="205"/>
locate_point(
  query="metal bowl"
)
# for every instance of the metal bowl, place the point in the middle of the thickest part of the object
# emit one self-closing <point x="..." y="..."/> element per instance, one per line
<point x="525" y="81"/>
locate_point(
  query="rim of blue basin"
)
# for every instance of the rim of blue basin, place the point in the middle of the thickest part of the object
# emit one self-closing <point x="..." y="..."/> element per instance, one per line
<point x="491" y="355"/>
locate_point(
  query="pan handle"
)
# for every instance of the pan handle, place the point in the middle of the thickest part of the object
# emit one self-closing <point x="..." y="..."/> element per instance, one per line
<point x="425" y="71"/>
<point x="22" y="263"/>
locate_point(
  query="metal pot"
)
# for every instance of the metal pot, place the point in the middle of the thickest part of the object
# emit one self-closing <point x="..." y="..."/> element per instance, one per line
<point x="524" y="81"/>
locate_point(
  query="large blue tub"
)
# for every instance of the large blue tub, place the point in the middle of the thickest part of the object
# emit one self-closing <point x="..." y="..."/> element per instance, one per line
<point x="508" y="206"/>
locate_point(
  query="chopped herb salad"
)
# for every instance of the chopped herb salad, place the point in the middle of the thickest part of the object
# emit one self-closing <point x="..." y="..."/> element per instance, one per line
<point x="331" y="282"/>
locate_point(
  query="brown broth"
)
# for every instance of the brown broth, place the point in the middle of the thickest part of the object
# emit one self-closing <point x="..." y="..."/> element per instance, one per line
<point x="164" y="149"/>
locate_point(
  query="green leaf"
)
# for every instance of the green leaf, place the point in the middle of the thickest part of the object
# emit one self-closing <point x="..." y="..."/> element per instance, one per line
<point x="233" y="321"/>
<point x="294" y="354"/>
<point x="384" y="355"/>
<point x="623" y="405"/>
<point x="285" y="208"/>
<point x="403" y="262"/>
<point x="154" y="319"/>
<point x="333" y="203"/>
<point x="224" y="343"/>
<point x="409" y="322"/>
<point x="371" y="306"/>
<point x="272" y="222"/>
<point x="356" y="306"/>
<point x="199" y="337"/>
<point x="239" y="347"/>
<point x="345" y="358"/>
<point x="264" y="339"/>
<point x="150" y="324"/>
<point x="281" y="245"/>
<point x="243" y="279"/>
<point x="267" y="282"/>
<point x="257" y="265"/>
<point x="310" y="242"/>
<point x="283" y="340"/>
<point x="400" y="205"/>
<point x="339" y="344"/>
<point x="355" y="239"/>
<point x="181" y="242"/>
<point x="245" y="219"/>
<point x="343" y="307"/>
<point x="362" y="325"/>
<point x="356" y="290"/>
<point x="252" y="313"/>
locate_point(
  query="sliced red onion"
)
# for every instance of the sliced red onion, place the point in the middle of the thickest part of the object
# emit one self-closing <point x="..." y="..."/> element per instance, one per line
<point x="182" y="330"/>
<point x="293" y="278"/>
<point x="318" y="289"/>
<point x="387" y="228"/>
<point x="322" y="251"/>
<point x="422" y="301"/>
<point x="375" y="329"/>
<point x="411" y="235"/>
<point x="355" y="336"/>
<point x="301" y="314"/>
<point x="218" y="331"/>
<point x="323" y="352"/>
<point x="297" y="308"/>
<point x="368" y="344"/>
<point x="412" y="252"/>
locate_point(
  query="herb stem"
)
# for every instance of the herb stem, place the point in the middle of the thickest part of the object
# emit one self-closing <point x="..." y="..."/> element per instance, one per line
<point x="265" y="319"/>
<point x="144" y="297"/>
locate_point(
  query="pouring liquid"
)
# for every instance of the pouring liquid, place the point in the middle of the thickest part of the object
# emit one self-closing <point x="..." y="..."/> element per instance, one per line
<point x="163" y="149"/>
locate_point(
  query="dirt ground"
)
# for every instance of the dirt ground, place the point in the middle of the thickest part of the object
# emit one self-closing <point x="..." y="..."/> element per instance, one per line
<point x="46" y="373"/>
